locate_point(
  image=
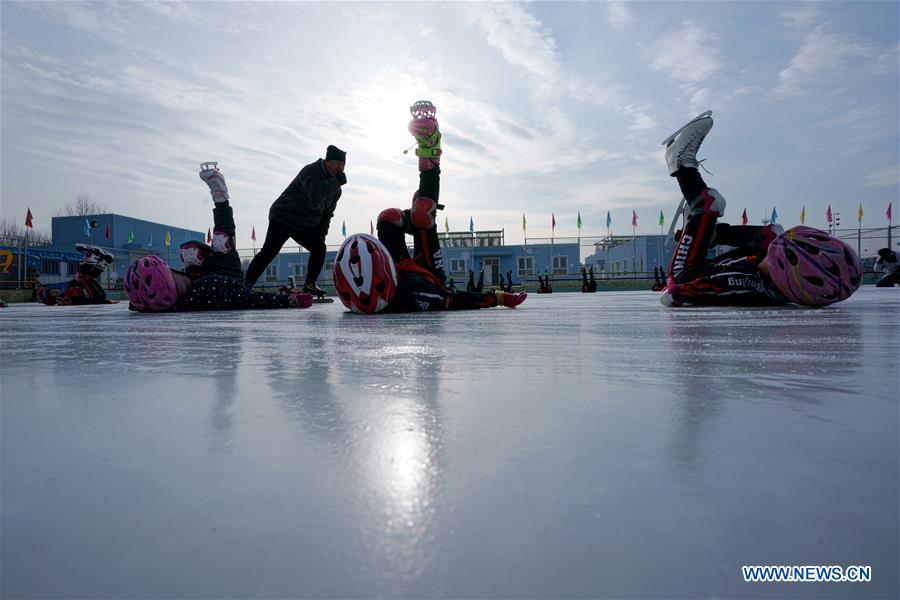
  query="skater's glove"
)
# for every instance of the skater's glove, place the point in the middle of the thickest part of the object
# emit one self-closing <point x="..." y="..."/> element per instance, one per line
<point x="342" y="178"/>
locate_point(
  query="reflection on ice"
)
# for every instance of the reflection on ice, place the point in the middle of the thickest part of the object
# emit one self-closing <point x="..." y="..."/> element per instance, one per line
<point x="555" y="450"/>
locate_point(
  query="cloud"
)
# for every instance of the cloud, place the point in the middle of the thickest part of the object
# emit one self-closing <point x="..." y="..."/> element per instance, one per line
<point x="821" y="51"/>
<point x="690" y="54"/>
<point x="886" y="177"/>
<point x="618" y="15"/>
<point x="521" y="39"/>
<point x="80" y="16"/>
<point x="800" y="15"/>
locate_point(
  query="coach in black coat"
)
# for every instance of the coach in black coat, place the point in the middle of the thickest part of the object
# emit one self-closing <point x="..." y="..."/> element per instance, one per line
<point x="303" y="212"/>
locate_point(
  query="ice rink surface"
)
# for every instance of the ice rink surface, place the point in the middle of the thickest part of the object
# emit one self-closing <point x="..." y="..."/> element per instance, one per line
<point x="579" y="446"/>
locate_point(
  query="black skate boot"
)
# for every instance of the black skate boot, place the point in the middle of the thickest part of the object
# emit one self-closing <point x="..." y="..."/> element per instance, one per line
<point x="310" y="287"/>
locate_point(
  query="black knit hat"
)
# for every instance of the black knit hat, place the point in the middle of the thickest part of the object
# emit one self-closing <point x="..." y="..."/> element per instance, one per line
<point x="335" y="153"/>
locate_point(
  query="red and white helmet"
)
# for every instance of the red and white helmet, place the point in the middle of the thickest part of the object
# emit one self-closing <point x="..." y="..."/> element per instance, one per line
<point x="365" y="278"/>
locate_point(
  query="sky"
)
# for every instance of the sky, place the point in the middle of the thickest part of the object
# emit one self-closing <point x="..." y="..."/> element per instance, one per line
<point x="546" y="108"/>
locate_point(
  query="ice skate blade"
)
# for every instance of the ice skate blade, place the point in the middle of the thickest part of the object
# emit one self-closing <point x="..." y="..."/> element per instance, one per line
<point x="672" y="137"/>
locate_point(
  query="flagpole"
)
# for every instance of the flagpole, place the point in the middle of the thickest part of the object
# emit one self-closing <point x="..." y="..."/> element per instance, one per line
<point x="633" y="251"/>
<point x="552" y="235"/>
<point x="859" y="232"/>
<point x="661" y="241"/>
<point x="26" y="255"/>
<point x="890" y="216"/>
<point x="608" y="242"/>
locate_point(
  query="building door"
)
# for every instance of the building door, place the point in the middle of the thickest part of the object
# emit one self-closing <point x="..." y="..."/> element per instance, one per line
<point x="492" y="271"/>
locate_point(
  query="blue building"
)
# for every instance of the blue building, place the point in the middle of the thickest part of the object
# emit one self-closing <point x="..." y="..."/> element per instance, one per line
<point x="19" y="267"/>
<point x="622" y="256"/>
<point x="462" y="251"/>
<point x="126" y="238"/>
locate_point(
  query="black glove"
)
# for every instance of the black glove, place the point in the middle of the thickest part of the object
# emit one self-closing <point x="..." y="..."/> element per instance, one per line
<point x="341" y="177"/>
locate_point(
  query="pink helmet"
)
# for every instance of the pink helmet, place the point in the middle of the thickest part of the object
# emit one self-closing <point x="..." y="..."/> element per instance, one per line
<point x="365" y="278"/>
<point x="149" y="285"/>
<point x="812" y="268"/>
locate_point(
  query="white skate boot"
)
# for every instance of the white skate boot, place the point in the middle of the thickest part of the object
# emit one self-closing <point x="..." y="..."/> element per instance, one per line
<point x="682" y="146"/>
<point x="210" y="173"/>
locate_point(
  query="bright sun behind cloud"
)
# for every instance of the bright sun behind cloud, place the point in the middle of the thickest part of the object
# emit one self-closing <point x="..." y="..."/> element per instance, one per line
<point x="384" y="114"/>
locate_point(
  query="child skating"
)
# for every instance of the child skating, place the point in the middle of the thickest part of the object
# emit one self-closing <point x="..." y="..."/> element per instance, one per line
<point x="84" y="287"/>
<point x="213" y="279"/>
<point x="379" y="275"/>
<point x="768" y="266"/>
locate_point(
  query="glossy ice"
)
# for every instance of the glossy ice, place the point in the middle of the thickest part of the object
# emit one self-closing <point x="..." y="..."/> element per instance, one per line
<point x="582" y="445"/>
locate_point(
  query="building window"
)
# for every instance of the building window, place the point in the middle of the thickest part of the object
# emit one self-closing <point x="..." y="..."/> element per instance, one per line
<point x="299" y="270"/>
<point x="457" y="265"/>
<point x="526" y="266"/>
<point x="50" y="267"/>
<point x="272" y="273"/>
<point x="72" y="267"/>
<point x="561" y="264"/>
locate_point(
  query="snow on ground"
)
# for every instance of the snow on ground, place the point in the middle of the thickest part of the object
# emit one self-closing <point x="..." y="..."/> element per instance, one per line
<point x="580" y="446"/>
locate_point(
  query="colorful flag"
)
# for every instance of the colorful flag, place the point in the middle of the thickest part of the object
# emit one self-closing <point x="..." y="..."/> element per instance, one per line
<point x="471" y="225"/>
<point x="371" y="228"/>
<point x="828" y="216"/>
<point x="209" y="236"/>
<point x="168" y="239"/>
<point x="803" y="215"/>
<point x="131" y="236"/>
<point x="579" y="219"/>
<point x="887" y="213"/>
<point x="774" y="215"/>
<point x="87" y="228"/>
<point x="859" y="214"/>
<point x="28" y="222"/>
<point x="446" y="225"/>
<point x="343" y="230"/>
<point x="633" y="219"/>
<point x="662" y="218"/>
<point x="744" y="218"/>
<point x="552" y="221"/>
<point x="523" y="221"/>
<point x="108" y="232"/>
<point x="608" y="220"/>
<point x="253" y="233"/>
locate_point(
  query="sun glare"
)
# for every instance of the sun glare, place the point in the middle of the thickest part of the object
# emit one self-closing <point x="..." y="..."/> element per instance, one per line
<point x="386" y="113"/>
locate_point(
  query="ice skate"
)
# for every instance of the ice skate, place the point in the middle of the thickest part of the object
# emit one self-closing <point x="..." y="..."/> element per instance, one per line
<point x="424" y="127"/>
<point x="317" y="292"/>
<point x="682" y="146"/>
<point x="667" y="298"/>
<point x="510" y="299"/>
<point x="103" y="256"/>
<point x="300" y="299"/>
<point x="210" y="173"/>
<point x="88" y="252"/>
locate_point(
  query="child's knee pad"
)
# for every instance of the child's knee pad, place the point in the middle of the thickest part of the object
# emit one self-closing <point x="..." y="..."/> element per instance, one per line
<point x="222" y="243"/>
<point x="391" y="216"/>
<point x="709" y="202"/>
<point x="194" y="253"/>
<point x="423" y="212"/>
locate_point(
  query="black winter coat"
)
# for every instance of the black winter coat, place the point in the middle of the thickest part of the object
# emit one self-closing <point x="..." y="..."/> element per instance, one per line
<point x="309" y="201"/>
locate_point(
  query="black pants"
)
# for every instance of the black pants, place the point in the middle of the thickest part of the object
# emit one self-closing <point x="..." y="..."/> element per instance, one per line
<point x="425" y="241"/>
<point x="276" y="236"/>
<point x="228" y="263"/>
<point x="889" y="280"/>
